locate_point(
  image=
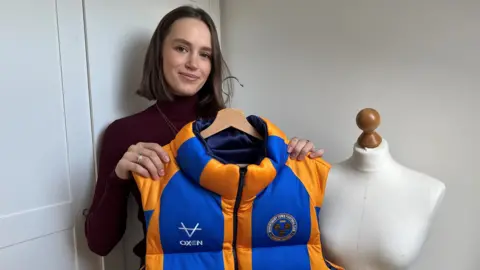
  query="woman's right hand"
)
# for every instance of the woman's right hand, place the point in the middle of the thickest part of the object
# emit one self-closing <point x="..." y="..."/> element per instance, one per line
<point x="146" y="159"/>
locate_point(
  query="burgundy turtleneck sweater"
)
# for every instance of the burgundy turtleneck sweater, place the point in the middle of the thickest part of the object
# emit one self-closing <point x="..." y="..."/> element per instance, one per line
<point x="106" y="220"/>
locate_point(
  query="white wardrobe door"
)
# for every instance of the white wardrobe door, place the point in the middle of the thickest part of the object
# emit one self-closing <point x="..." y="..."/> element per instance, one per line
<point x="46" y="158"/>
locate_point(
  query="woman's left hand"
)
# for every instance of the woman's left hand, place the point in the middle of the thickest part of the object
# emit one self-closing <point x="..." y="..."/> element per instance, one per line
<point x="299" y="149"/>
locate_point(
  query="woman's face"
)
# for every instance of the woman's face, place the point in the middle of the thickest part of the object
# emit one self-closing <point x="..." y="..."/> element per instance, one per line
<point x="187" y="53"/>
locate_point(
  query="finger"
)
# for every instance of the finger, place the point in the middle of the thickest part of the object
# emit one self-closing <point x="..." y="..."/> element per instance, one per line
<point x="305" y="150"/>
<point x="143" y="161"/>
<point x="147" y="163"/>
<point x="158" y="149"/>
<point x="137" y="168"/>
<point x="148" y="150"/>
<point x="298" y="148"/>
<point x="133" y="167"/>
<point x="317" y="153"/>
<point x="292" y="144"/>
<point x="153" y="156"/>
<point x="132" y="148"/>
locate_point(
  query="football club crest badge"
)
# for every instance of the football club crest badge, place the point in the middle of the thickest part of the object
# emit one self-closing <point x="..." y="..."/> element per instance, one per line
<point x="282" y="227"/>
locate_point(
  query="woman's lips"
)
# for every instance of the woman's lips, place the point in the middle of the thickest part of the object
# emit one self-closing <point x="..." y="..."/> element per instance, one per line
<point x="189" y="76"/>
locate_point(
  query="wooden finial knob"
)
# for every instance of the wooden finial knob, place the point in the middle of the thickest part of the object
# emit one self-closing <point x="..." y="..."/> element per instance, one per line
<point x="368" y="121"/>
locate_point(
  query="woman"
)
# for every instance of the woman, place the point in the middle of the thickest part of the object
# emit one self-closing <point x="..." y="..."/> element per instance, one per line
<point x="183" y="72"/>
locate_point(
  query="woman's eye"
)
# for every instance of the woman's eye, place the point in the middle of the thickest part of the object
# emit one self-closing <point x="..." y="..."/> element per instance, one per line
<point x="205" y="55"/>
<point x="181" y="49"/>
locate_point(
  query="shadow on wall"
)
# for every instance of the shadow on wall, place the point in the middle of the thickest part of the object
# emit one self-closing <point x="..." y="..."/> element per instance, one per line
<point x="128" y="81"/>
<point x="131" y="69"/>
<point x="132" y="66"/>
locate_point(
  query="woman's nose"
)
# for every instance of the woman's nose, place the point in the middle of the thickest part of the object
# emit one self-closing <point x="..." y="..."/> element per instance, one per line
<point x="192" y="62"/>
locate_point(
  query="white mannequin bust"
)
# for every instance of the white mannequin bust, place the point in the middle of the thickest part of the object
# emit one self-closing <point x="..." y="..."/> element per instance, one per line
<point x="376" y="213"/>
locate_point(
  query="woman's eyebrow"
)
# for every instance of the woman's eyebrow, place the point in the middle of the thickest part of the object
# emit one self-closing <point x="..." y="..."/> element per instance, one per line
<point x="186" y="42"/>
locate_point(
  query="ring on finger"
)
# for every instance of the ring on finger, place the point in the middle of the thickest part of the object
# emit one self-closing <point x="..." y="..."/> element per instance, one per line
<point x="139" y="158"/>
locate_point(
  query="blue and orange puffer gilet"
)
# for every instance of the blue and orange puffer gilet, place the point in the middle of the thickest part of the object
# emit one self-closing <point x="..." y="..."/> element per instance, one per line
<point x="207" y="213"/>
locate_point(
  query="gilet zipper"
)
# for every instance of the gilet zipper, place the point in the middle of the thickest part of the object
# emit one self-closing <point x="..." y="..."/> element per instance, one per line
<point x="241" y="184"/>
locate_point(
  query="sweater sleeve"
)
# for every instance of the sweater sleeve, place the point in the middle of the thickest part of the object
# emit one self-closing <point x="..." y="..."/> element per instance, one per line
<point x="106" y="219"/>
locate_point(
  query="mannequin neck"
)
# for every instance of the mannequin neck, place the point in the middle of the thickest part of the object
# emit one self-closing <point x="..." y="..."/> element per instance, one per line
<point x="371" y="159"/>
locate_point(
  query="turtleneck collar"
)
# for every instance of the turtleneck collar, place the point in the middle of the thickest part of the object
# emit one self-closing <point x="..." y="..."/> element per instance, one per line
<point x="212" y="163"/>
<point x="180" y="108"/>
<point x="371" y="159"/>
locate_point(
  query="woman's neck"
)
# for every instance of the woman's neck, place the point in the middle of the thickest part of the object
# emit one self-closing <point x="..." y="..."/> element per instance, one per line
<point x="182" y="107"/>
<point x="371" y="159"/>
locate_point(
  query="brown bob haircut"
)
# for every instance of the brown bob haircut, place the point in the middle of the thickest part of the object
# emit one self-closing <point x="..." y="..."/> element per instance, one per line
<point x="153" y="85"/>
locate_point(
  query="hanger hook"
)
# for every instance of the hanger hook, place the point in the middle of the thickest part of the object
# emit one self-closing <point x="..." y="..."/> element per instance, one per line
<point x="233" y="77"/>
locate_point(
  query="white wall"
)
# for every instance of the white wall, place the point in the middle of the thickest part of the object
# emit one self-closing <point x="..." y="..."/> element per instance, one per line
<point x="310" y="66"/>
<point x="118" y="34"/>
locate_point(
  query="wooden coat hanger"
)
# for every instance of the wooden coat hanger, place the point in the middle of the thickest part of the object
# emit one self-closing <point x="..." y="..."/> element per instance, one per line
<point x="230" y="118"/>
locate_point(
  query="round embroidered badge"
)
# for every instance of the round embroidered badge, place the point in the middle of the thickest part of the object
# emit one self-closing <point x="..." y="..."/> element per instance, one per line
<point x="282" y="227"/>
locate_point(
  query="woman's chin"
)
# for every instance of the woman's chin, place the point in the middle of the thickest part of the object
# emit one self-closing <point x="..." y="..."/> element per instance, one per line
<point x="185" y="92"/>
